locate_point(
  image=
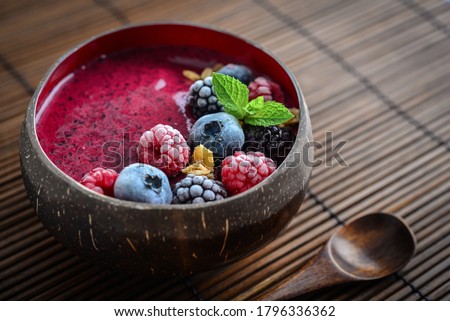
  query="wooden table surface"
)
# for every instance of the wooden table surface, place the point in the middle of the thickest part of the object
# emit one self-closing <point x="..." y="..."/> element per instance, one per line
<point x="375" y="73"/>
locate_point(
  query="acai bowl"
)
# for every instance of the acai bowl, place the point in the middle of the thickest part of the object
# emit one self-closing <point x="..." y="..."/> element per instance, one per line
<point x="126" y="82"/>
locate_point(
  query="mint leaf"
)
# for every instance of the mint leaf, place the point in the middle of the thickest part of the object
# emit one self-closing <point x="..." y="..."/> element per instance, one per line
<point x="271" y="114"/>
<point x="234" y="97"/>
<point x="255" y="105"/>
<point x="231" y="93"/>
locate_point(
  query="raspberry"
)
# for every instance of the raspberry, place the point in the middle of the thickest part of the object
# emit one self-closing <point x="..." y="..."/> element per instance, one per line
<point x="202" y="98"/>
<point x="266" y="88"/>
<point x="165" y="148"/>
<point x="197" y="190"/>
<point x="273" y="141"/>
<point x="243" y="171"/>
<point x="100" y="180"/>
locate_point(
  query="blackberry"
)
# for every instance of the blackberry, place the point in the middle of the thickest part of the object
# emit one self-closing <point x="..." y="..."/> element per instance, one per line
<point x="197" y="190"/>
<point x="273" y="141"/>
<point x="240" y="72"/>
<point x="202" y="98"/>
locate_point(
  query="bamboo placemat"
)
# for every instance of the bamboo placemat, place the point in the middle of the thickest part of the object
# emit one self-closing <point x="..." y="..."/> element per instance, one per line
<point x="375" y="73"/>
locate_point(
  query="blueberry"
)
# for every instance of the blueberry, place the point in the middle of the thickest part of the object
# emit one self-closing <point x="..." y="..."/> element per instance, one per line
<point x="240" y="72"/>
<point x="143" y="183"/>
<point x="219" y="132"/>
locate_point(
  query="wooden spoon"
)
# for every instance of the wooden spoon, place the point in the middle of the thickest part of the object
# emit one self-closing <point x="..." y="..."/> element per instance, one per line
<point x="368" y="248"/>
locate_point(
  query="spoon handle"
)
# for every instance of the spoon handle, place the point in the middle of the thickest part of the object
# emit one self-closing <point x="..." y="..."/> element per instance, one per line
<point x="316" y="274"/>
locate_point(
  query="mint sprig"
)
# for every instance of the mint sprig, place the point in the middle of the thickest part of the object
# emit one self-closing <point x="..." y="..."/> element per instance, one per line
<point x="232" y="94"/>
<point x="234" y="97"/>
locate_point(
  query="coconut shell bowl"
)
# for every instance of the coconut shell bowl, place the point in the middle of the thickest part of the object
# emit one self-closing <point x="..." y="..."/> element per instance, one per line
<point x="163" y="240"/>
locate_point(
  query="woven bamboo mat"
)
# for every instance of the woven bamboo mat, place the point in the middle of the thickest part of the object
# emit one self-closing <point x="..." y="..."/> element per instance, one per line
<point x="375" y="73"/>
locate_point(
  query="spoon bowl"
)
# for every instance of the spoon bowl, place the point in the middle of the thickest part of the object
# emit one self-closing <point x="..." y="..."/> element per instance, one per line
<point x="369" y="247"/>
<point x="373" y="246"/>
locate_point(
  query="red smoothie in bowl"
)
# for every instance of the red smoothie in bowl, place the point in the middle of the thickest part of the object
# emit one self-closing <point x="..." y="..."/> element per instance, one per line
<point x="95" y="115"/>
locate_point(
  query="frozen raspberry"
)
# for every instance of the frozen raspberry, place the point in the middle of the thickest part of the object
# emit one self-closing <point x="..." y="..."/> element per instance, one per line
<point x="165" y="148"/>
<point x="243" y="171"/>
<point x="100" y="180"/>
<point x="266" y="88"/>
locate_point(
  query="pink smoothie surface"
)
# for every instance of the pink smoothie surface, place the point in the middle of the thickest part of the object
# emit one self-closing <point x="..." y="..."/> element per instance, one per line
<point x="96" y="115"/>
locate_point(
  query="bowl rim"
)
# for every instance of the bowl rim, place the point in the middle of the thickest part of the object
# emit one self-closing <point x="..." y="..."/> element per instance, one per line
<point x="30" y="124"/>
